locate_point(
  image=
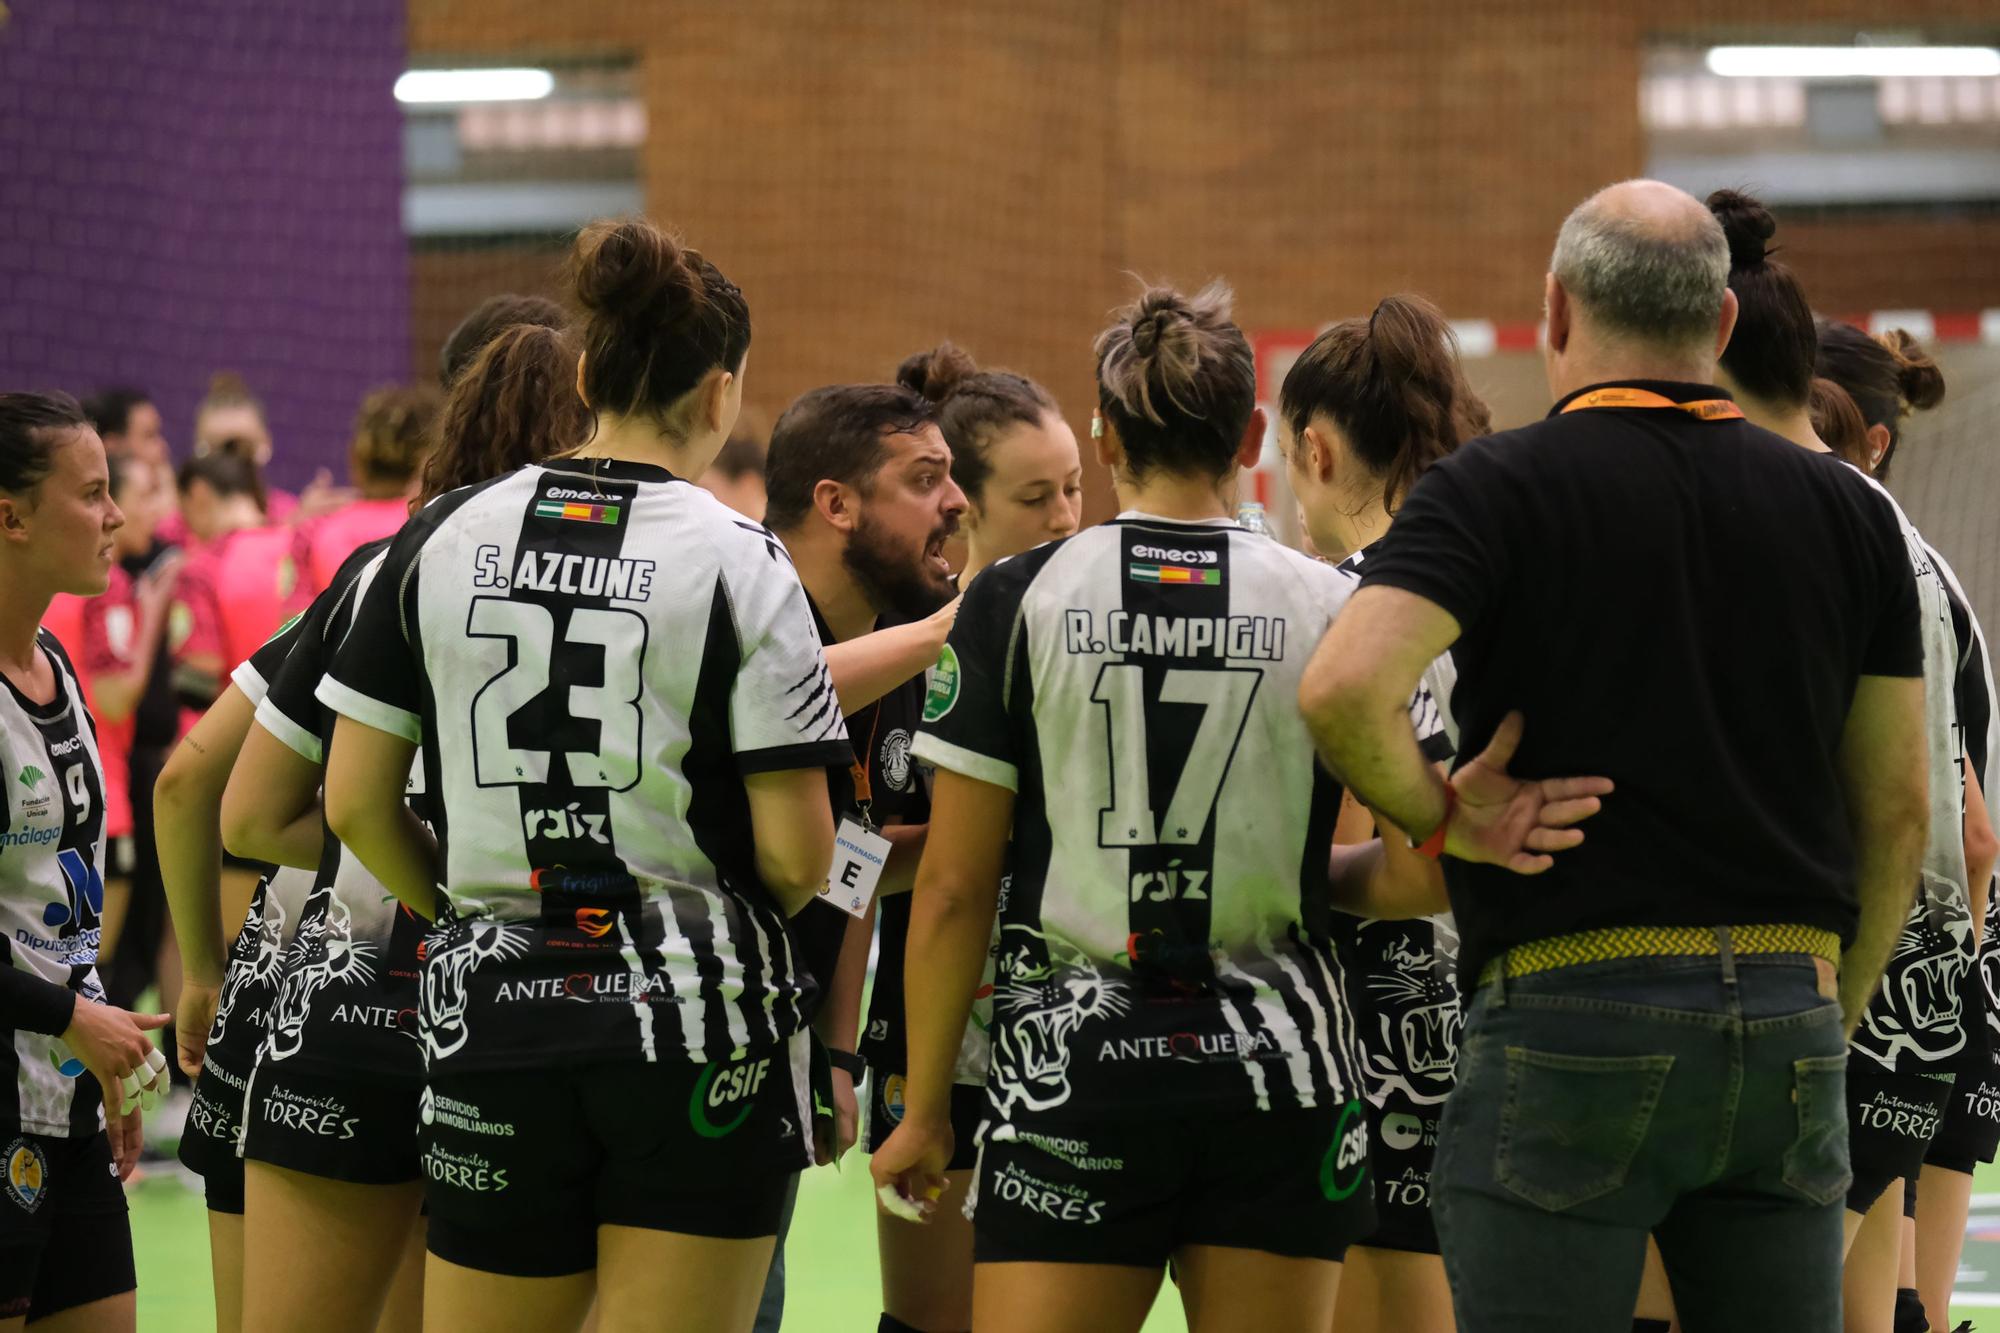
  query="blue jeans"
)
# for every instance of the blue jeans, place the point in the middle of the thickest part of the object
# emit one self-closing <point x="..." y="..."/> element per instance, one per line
<point x="1699" y="1100"/>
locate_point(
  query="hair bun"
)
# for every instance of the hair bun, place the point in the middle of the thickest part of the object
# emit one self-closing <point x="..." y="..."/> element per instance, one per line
<point x="630" y="271"/>
<point x="1746" y="223"/>
<point x="1161" y="321"/>
<point x="1917" y="375"/>
<point x="936" y="373"/>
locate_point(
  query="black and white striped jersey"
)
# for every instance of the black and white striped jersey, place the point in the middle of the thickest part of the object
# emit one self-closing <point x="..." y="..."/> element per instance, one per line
<point x="592" y="656"/>
<point x="1915" y="1023"/>
<point x="1402" y="976"/>
<point x="51" y="892"/>
<point x="346" y="1004"/>
<point x="1137" y="687"/>
<point x="250" y="973"/>
<point x="1979" y="724"/>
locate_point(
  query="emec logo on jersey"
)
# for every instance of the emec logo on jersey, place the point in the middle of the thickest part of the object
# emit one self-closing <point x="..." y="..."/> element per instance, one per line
<point x="722" y="1088"/>
<point x="27" y="1174"/>
<point x="576" y="513"/>
<point x="1171" y="566"/>
<point x="941" y="690"/>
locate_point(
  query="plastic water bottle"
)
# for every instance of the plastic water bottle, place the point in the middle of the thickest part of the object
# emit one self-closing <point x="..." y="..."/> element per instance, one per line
<point x="1250" y="514"/>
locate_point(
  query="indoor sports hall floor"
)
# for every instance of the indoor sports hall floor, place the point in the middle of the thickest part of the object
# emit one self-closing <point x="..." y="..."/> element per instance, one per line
<point x="830" y="1262"/>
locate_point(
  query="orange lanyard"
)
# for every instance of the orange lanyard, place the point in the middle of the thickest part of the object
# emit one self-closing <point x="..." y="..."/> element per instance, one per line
<point x="863" y="791"/>
<point x="1705" y="409"/>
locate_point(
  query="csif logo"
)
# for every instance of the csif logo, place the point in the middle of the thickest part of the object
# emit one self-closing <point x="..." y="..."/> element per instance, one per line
<point x="722" y="1087"/>
<point x="595" y="922"/>
<point x="1345" y="1165"/>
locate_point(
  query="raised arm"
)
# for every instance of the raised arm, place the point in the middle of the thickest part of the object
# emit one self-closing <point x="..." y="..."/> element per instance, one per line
<point x="867" y="668"/>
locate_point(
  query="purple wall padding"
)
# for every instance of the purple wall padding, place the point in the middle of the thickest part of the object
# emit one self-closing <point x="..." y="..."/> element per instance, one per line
<point x="206" y="185"/>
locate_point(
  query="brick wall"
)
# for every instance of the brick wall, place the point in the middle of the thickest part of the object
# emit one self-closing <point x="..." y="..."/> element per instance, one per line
<point x="879" y="175"/>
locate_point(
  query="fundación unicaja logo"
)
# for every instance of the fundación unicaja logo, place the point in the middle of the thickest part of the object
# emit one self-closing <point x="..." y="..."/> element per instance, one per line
<point x="31" y="777"/>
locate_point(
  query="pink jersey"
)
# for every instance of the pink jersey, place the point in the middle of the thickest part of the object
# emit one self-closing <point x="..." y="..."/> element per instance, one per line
<point x="325" y="542"/>
<point x="233" y="594"/>
<point x="100" y="634"/>
<point x="279" y="506"/>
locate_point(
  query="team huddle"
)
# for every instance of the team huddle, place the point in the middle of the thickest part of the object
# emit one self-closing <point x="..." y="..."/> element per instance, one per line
<point x="1406" y="931"/>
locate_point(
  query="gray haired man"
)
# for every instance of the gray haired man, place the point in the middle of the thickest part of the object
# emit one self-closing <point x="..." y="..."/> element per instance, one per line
<point x="1647" y="587"/>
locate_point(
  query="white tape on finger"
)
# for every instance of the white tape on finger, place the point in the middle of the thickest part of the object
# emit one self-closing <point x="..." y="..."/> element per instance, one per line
<point x="898" y="1206"/>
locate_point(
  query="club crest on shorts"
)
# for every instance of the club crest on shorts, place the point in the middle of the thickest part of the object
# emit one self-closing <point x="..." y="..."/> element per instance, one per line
<point x="892" y="1098"/>
<point x="27" y="1174"/>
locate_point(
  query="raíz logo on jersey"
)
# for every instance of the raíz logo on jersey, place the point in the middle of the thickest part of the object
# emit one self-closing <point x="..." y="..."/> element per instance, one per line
<point x="1917" y="1009"/>
<point x="573" y="822"/>
<point x="724" y="1096"/>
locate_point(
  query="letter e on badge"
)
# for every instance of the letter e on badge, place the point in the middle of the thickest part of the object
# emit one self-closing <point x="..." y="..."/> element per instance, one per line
<point x="859" y="856"/>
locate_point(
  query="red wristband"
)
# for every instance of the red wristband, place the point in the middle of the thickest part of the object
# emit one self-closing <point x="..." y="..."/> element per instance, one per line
<point x="1433" y="846"/>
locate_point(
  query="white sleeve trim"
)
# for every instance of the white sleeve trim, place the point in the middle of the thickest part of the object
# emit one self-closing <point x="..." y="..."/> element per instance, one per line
<point x="295" y="737"/>
<point x="251" y="681"/>
<point x="943" y="754"/>
<point x="350" y="702"/>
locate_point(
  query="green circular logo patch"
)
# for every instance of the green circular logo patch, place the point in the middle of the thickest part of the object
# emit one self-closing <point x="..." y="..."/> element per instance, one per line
<point x="942" y="694"/>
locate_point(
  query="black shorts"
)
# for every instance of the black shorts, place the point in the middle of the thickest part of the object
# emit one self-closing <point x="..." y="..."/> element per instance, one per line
<point x="522" y="1166"/>
<point x="1891" y="1121"/>
<point x="65" y="1237"/>
<point x="1970" y="1133"/>
<point x="885" y="1112"/>
<point x="350" y="1129"/>
<point x="212" y="1142"/>
<point x="1134" y="1189"/>
<point x="1405" y="1136"/>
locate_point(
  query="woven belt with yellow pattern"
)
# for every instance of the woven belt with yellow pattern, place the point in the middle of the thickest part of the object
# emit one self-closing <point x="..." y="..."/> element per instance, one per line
<point x="1623" y="942"/>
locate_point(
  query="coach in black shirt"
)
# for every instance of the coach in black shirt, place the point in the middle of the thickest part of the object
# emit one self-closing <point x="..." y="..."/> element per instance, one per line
<point x="1651" y="589"/>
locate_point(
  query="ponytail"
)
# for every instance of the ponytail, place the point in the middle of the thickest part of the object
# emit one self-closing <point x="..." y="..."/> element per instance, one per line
<point x="514" y="405"/>
<point x="1393" y="385"/>
<point x="1888" y="377"/>
<point x="1837" y="422"/>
